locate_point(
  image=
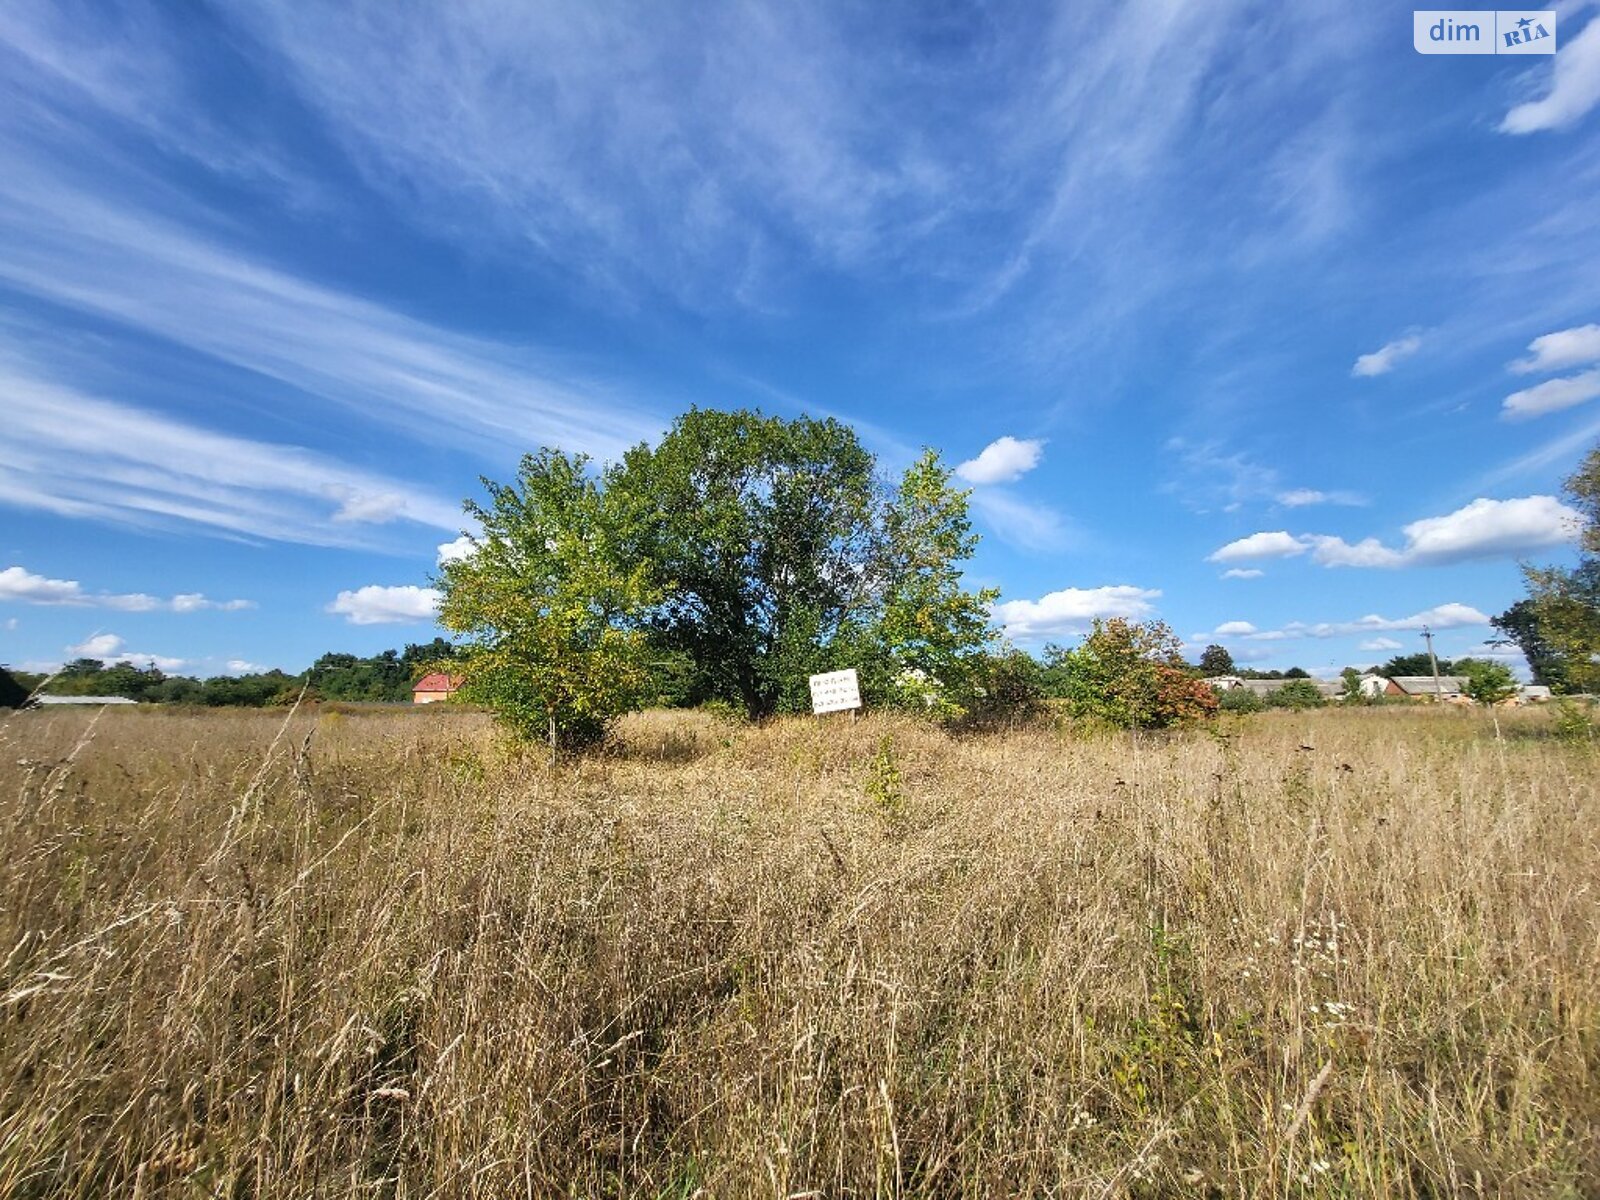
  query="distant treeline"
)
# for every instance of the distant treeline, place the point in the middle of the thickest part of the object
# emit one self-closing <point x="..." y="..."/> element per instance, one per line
<point x="383" y="678"/>
<point x="388" y="677"/>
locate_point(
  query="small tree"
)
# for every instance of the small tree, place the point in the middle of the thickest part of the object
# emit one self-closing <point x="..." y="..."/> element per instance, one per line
<point x="554" y="647"/>
<point x="1133" y="675"/>
<point x="1488" y="682"/>
<point x="1215" y="660"/>
<point x="932" y="633"/>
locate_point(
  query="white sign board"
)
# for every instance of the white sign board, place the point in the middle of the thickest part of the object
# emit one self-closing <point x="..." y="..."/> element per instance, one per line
<point x="835" y="692"/>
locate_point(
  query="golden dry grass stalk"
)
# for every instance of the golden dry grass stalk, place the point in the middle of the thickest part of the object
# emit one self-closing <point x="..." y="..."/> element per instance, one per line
<point x="737" y="962"/>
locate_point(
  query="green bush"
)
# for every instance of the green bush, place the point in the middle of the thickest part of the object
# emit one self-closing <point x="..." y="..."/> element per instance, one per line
<point x="1239" y="700"/>
<point x="1297" y="694"/>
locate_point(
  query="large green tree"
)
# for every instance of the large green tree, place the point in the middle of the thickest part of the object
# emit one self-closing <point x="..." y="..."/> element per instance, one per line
<point x="760" y="537"/>
<point x="736" y="557"/>
<point x="549" y="605"/>
<point x="1523" y="627"/>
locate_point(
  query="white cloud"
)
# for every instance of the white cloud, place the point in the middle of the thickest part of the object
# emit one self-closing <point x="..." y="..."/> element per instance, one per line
<point x="152" y="275"/>
<point x="18" y="583"/>
<point x="1443" y="616"/>
<point x="1275" y="544"/>
<point x="1071" y="610"/>
<point x="376" y="605"/>
<point x="1574" y="87"/>
<point x="1383" y="360"/>
<point x="1492" y="528"/>
<point x="1243" y="573"/>
<point x="239" y="666"/>
<point x="108" y="648"/>
<point x="81" y="456"/>
<point x="1301" y="497"/>
<point x="99" y="645"/>
<point x="1329" y="551"/>
<point x="1022" y="523"/>
<point x="1381" y="643"/>
<point x="462" y="547"/>
<point x="1482" y="529"/>
<point x="369" y="508"/>
<point x="11" y="623"/>
<point x="1004" y="460"/>
<point x="1553" y="395"/>
<point x="1565" y="348"/>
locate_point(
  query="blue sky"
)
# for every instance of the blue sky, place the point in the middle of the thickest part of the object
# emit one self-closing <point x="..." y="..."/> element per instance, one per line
<point x="1241" y="315"/>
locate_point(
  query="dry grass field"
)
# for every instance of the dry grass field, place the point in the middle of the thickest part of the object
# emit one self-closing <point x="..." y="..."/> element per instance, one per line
<point x="1337" y="953"/>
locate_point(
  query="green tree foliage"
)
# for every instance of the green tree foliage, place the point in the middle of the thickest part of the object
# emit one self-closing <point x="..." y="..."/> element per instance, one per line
<point x="759" y="536"/>
<point x="1565" y="604"/>
<point x="1523" y="628"/>
<point x="1487" y="682"/>
<point x="1413" y="664"/>
<point x="735" y="558"/>
<point x="1297" y="673"/>
<point x="384" y="678"/>
<point x="1215" y="660"/>
<point x="1297" y="694"/>
<point x="1239" y="700"/>
<point x="549" y="609"/>
<point x="1131" y="675"/>
<point x="930" y="632"/>
<point x="1351" y="678"/>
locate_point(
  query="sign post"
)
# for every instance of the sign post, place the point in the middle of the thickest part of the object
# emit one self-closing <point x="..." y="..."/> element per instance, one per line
<point x="835" y="691"/>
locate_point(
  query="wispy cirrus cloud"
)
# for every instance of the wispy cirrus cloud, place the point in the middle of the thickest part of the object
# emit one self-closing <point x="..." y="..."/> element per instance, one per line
<point x="1454" y="615"/>
<point x="72" y="249"/>
<point x="20" y="584"/>
<point x="1573" y="88"/>
<point x="1021" y="523"/>
<point x="79" y="455"/>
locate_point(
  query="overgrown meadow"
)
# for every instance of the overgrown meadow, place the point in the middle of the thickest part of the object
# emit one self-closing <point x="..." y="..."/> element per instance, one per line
<point x="1321" y="954"/>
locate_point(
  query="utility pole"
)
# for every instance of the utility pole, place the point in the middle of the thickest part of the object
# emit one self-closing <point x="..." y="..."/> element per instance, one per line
<point x="1438" y="688"/>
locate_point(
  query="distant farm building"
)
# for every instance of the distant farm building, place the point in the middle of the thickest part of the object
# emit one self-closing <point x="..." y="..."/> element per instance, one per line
<point x="1426" y="687"/>
<point x="435" y="687"/>
<point x="82" y="700"/>
<point x="1330" y="689"/>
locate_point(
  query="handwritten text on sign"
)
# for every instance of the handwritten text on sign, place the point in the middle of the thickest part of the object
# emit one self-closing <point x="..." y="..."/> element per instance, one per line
<point x="835" y="692"/>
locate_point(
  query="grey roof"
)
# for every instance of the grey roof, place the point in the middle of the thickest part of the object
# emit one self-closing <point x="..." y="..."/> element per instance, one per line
<point x="1423" y="685"/>
<point x="83" y="700"/>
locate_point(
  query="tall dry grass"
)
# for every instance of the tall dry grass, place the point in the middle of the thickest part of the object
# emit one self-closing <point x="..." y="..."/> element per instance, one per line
<point x="1323" y="954"/>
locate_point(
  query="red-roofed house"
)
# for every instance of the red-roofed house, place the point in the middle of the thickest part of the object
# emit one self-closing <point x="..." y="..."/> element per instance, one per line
<point x="434" y="687"/>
